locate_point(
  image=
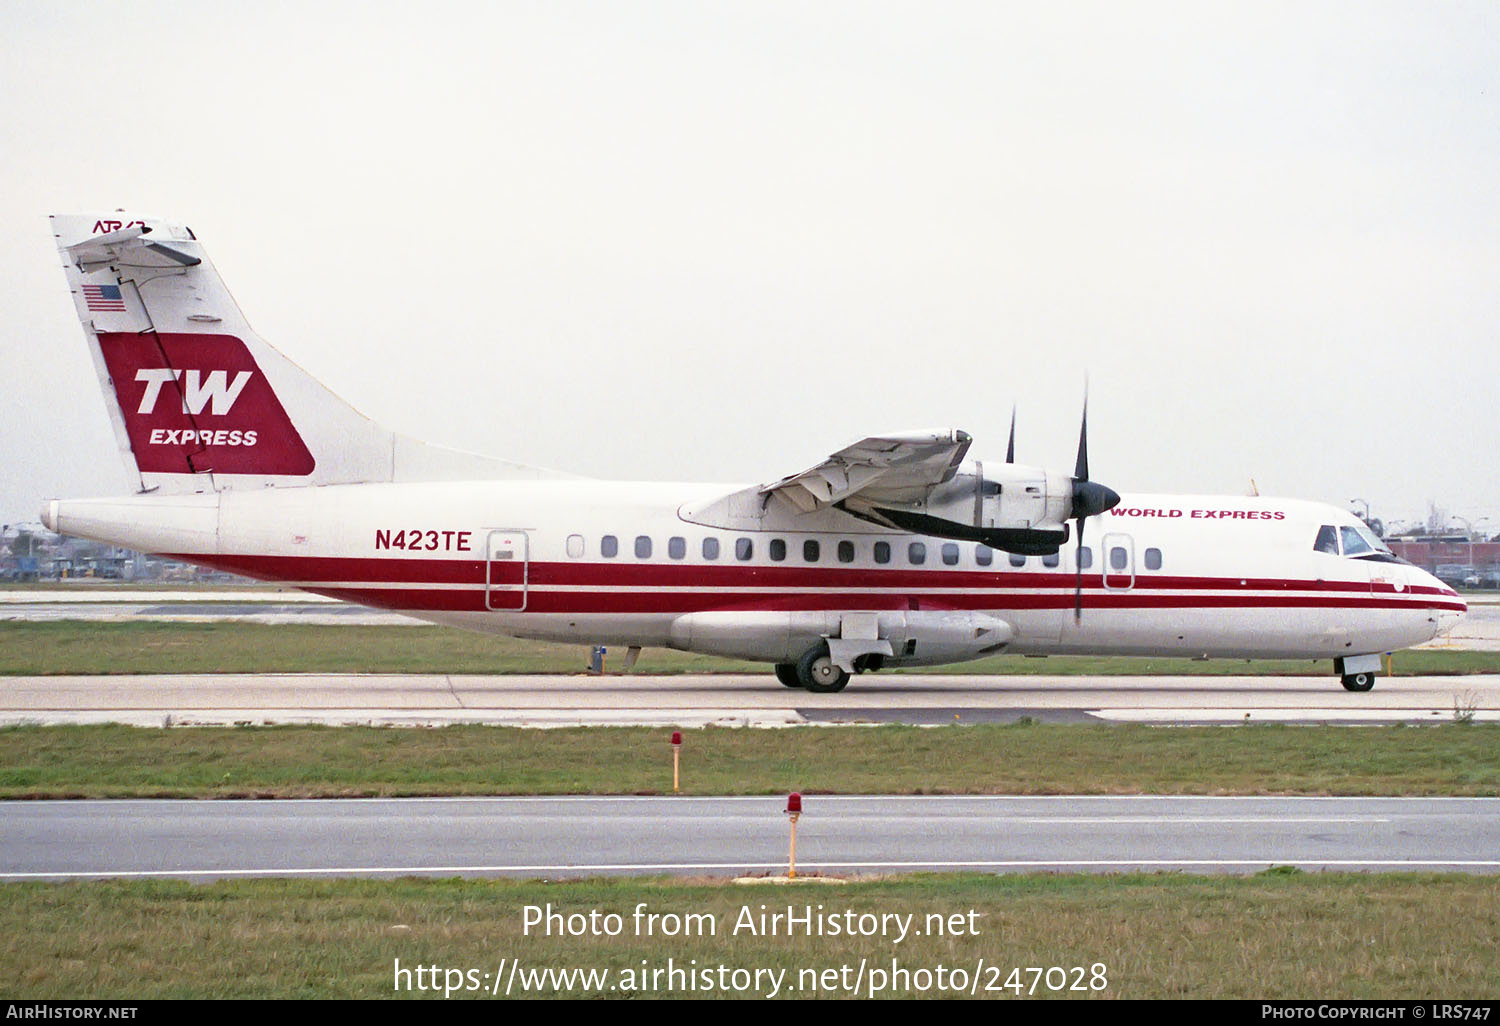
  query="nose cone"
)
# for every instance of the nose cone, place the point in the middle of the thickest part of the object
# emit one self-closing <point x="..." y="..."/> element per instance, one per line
<point x="1447" y="605"/>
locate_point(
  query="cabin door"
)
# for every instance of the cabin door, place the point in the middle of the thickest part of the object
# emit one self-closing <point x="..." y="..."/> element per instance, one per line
<point x="505" y="573"/>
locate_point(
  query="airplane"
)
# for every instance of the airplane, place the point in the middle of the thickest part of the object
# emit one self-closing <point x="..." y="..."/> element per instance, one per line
<point x="895" y="551"/>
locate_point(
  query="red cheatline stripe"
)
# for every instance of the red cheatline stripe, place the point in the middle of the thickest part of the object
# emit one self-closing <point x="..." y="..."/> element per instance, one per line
<point x="421" y="570"/>
<point x="691" y="602"/>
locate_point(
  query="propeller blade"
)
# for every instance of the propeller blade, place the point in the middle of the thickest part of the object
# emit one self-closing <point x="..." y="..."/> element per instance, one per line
<point x="1078" y="582"/>
<point x="1081" y="471"/>
<point x="1010" y="450"/>
<point x="1089" y="498"/>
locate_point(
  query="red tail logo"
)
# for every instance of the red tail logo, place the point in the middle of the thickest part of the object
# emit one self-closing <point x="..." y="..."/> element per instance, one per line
<point x="200" y="388"/>
<point x="197" y="403"/>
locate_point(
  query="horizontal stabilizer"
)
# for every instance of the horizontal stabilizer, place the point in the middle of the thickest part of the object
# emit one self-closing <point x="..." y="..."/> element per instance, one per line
<point x="128" y="247"/>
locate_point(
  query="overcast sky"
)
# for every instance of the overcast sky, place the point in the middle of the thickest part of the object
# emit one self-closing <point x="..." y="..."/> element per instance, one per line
<point x="717" y="241"/>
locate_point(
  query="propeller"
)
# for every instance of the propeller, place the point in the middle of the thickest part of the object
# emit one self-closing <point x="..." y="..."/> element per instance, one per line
<point x="1010" y="449"/>
<point x="1089" y="499"/>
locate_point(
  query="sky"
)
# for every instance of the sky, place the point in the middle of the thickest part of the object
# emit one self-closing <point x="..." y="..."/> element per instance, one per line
<point x="718" y="241"/>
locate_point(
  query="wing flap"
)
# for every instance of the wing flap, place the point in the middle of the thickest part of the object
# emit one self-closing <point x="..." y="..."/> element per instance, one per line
<point x="882" y="468"/>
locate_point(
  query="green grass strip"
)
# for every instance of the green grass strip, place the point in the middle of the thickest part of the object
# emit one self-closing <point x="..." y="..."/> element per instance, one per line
<point x="1281" y="934"/>
<point x="300" y="761"/>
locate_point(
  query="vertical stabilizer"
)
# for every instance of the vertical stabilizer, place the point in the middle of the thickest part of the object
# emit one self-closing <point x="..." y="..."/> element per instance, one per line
<point x="199" y="401"/>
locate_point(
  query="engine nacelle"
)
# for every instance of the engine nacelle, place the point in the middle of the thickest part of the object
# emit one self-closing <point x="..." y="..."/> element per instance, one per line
<point x="1004" y="505"/>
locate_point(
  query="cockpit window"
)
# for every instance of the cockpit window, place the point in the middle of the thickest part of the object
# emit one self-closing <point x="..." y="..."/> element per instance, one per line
<point x="1354" y="542"/>
<point x="1328" y="540"/>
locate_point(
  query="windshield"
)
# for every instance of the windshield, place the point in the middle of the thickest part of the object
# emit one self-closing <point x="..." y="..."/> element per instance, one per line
<point x="1356" y="542"/>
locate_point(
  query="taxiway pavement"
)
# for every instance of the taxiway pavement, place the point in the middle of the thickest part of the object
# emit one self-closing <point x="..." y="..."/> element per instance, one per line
<point x="744" y="700"/>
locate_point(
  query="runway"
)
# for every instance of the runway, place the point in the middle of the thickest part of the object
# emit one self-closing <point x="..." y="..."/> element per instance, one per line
<point x="735" y="700"/>
<point x="570" y="837"/>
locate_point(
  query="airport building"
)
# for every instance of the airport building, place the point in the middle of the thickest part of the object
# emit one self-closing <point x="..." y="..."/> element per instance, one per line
<point x="1455" y="559"/>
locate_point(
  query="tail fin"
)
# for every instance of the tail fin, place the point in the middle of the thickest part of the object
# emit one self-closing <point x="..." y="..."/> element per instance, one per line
<point x="197" y="399"/>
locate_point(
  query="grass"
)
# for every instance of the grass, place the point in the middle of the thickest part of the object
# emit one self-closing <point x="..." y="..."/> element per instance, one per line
<point x="79" y="647"/>
<point x="1276" y="935"/>
<point x="303" y="761"/>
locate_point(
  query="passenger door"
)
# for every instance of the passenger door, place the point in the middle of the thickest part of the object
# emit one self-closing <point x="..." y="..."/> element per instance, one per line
<point x="506" y="571"/>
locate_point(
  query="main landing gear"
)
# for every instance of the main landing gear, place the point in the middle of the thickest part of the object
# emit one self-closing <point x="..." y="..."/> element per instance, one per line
<point x="1358" y="681"/>
<point x="818" y="672"/>
<point x="815" y="671"/>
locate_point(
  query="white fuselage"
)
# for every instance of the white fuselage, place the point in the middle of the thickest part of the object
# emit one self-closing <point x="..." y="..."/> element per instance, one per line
<point x="1200" y="576"/>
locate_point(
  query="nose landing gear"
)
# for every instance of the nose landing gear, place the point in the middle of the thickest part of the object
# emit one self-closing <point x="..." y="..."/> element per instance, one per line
<point x="1357" y="673"/>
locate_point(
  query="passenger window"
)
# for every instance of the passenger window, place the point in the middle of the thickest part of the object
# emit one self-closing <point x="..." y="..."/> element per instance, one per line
<point x="1085" y="558"/>
<point x="916" y="553"/>
<point x="710" y="548"/>
<point x="1052" y="560"/>
<point x="642" y="547"/>
<point x="950" y="554"/>
<point x="1354" y="545"/>
<point x="1153" y="559"/>
<point x="575" y="546"/>
<point x="677" y="547"/>
<point x="810" y="552"/>
<point x="1016" y="559"/>
<point x="744" y="548"/>
<point x="882" y="552"/>
<point x="1118" y="558"/>
<point x="984" y="555"/>
<point x="846" y="552"/>
<point x="1328" y="540"/>
<point x="609" y="546"/>
<point x="778" y="549"/>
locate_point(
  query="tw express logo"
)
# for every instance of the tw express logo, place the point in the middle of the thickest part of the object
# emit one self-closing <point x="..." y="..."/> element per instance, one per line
<point x="200" y="391"/>
<point x="199" y="403"/>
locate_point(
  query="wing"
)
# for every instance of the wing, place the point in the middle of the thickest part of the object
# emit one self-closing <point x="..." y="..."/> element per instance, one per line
<point x="883" y="468"/>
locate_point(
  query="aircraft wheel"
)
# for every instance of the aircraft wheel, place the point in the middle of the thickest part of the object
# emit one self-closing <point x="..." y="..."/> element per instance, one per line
<point x="787" y="674"/>
<point x="817" y="672"/>
<point x="1358" y="681"/>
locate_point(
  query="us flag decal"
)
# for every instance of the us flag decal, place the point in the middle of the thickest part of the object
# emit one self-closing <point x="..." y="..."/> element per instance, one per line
<point x="104" y="298"/>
